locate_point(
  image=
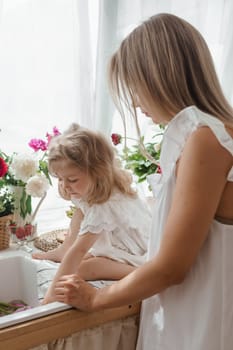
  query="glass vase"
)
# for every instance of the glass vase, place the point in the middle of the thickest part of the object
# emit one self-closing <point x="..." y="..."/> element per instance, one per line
<point x="22" y="232"/>
<point x="22" y="227"/>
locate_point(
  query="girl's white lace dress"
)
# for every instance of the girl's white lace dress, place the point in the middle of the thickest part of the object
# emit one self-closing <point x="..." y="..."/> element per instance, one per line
<point x="197" y="314"/>
<point x="123" y="224"/>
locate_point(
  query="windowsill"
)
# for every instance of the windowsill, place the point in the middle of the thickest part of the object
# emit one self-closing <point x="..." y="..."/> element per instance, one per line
<point x="45" y="329"/>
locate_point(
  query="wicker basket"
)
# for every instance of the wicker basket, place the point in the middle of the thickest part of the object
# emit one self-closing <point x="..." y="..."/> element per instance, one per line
<point x="4" y="235"/>
<point x="50" y="240"/>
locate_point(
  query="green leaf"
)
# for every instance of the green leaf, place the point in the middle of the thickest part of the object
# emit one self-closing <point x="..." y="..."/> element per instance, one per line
<point x="43" y="166"/>
<point x="29" y="204"/>
<point x="25" y="204"/>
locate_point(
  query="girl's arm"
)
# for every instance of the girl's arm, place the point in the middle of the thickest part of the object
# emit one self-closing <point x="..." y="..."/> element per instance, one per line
<point x="201" y="178"/>
<point x="71" y="261"/>
<point x="58" y="253"/>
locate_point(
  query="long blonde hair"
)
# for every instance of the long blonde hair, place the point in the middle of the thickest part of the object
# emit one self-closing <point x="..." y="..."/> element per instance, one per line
<point x="166" y="61"/>
<point x="94" y="155"/>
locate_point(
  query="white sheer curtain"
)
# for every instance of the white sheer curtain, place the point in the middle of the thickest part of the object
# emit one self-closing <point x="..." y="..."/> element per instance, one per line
<point x="83" y="65"/>
<point x="45" y="66"/>
<point x="46" y="78"/>
<point x="107" y="42"/>
<point x="53" y="64"/>
<point x="211" y="17"/>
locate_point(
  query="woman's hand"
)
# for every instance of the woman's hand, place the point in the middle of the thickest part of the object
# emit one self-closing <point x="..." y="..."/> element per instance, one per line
<point x="72" y="290"/>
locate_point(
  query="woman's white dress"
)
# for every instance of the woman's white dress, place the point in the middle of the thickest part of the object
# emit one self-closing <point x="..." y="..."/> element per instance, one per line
<point x="123" y="224"/>
<point x="197" y="314"/>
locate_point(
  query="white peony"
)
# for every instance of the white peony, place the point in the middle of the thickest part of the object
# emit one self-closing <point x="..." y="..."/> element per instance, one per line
<point x="37" y="185"/>
<point x="24" y="166"/>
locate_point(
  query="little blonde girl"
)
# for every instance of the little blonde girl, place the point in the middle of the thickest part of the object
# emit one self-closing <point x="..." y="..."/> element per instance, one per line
<point x="109" y="230"/>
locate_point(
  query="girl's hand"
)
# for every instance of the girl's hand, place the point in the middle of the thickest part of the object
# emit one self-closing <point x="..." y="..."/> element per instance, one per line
<point x="72" y="290"/>
<point x="47" y="300"/>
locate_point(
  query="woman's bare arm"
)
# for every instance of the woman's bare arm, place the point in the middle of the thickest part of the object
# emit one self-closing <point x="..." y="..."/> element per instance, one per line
<point x="201" y="178"/>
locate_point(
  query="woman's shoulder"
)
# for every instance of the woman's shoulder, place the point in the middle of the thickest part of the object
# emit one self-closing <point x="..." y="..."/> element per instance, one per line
<point x="193" y="124"/>
<point x="213" y="138"/>
<point x="203" y="139"/>
<point x="204" y="151"/>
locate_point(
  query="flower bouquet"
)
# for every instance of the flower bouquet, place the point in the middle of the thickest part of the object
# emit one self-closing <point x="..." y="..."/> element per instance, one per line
<point x="23" y="176"/>
<point x="141" y="158"/>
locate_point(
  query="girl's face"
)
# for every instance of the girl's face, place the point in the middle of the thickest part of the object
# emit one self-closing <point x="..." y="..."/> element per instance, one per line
<point x="72" y="180"/>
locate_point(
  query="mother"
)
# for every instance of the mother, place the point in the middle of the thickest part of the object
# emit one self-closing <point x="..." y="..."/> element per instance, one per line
<point x="164" y="67"/>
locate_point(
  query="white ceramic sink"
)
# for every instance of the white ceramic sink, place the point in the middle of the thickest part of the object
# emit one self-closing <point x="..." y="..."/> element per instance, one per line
<point x="18" y="280"/>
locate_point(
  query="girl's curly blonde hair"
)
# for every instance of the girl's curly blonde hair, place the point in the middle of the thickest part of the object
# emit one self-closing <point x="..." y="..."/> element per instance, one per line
<point x="94" y="155"/>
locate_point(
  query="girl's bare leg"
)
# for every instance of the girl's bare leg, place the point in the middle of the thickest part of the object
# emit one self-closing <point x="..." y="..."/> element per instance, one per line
<point x="57" y="253"/>
<point x="96" y="268"/>
<point x="53" y="255"/>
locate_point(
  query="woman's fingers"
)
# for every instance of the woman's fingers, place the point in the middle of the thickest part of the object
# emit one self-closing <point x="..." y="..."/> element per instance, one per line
<point x="72" y="290"/>
<point x="70" y="278"/>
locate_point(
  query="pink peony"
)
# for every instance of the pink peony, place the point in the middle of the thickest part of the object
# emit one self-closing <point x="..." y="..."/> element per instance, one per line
<point x="56" y="132"/>
<point x="49" y="137"/>
<point x="38" y="144"/>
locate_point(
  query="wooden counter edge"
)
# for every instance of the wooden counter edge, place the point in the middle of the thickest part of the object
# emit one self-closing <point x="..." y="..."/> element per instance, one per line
<point x="62" y="324"/>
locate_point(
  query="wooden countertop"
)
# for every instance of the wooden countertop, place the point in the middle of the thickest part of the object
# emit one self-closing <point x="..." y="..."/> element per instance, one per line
<point x="59" y="325"/>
